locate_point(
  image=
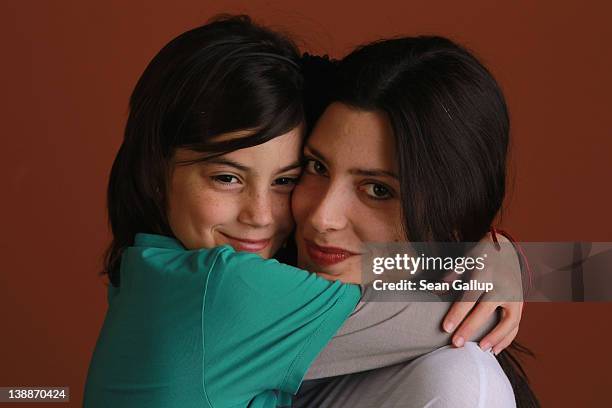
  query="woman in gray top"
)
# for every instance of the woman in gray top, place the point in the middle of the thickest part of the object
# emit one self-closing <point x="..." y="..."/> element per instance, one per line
<point x="412" y="148"/>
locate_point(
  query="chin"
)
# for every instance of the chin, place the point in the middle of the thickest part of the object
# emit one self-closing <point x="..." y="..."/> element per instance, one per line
<point x="345" y="271"/>
<point x="265" y="254"/>
<point x="311" y="266"/>
<point x="269" y="252"/>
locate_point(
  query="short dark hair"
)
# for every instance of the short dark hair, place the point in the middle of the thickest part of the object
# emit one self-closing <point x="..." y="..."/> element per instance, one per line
<point x="228" y="75"/>
<point x="451" y="130"/>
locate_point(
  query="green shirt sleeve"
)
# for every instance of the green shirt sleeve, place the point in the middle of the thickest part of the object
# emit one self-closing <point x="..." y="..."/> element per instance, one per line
<point x="265" y="322"/>
<point x="210" y="328"/>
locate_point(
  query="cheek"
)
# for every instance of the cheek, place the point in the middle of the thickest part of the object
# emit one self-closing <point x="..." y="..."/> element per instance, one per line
<point x="209" y="210"/>
<point x="194" y="210"/>
<point x="378" y="224"/>
<point x="305" y="196"/>
<point x="281" y="212"/>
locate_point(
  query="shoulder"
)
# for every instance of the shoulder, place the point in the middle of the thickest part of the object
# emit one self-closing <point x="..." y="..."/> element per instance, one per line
<point x="243" y="269"/>
<point x="163" y="268"/>
<point x="246" y="277"/>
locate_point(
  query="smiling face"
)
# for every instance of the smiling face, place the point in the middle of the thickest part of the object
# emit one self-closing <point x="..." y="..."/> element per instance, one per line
<point x="348" y="194"/>
<point x="241" y="198"/>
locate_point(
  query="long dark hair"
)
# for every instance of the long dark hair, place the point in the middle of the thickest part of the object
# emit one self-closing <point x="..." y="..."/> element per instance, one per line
<point x="228" y="75"/>
<point x="451" y="129"/>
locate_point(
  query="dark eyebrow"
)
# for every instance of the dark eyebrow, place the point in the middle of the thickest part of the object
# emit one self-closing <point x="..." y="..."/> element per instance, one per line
<point x="315" y="152"/>
<point x="292" y="166"/>
<point x="242" y="167"/>
<point x="356" y="171"/>
<point x="373" y="173"/>
<point x="227" y="162"/>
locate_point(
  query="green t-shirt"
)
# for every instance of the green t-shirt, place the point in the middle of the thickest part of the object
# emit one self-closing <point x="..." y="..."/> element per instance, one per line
<point x="210" y="328"/>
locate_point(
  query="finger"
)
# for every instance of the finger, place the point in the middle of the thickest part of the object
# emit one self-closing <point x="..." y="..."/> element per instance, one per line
<point x="506" y="341"/>
<point x="477" y="318"/>
<point x="510" y="319"/>
<point x="456" y="314"/>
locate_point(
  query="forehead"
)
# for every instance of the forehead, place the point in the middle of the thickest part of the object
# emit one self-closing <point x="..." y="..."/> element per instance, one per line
<point x="353" y="136"/>
<point x="277" y="152"/>
<point x="279" y="149"/>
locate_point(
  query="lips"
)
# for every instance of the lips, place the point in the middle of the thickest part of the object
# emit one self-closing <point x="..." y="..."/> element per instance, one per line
<point x="326" y="256"/>
<point x="247" y="245"/>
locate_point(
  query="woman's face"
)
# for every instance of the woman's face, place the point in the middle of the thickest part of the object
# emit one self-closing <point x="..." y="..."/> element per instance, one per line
<point x="348" y="194"/>
<point x="240" y="198"/>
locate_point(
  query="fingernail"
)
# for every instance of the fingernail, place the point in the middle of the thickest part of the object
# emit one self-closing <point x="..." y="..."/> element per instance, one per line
<point x="458" y="341"/>
<point x="485" y="346"/>
<point x="448" y="327"/>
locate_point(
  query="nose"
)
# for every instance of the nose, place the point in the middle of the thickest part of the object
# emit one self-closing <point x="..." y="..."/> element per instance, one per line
<point x="257" y="209"/>
<point x="330" y="213"/>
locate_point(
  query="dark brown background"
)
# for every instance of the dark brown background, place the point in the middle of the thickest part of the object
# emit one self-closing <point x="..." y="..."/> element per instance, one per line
<point x="68" y="68"/>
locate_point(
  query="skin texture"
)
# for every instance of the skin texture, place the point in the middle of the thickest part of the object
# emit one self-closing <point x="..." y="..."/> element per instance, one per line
<point x="348" y="196"/>
<point x="242" y="195"/>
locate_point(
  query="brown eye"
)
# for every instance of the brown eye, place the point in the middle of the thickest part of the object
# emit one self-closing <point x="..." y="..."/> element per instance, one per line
<point x="284" y="184"/>
<point x="285" y="181"/>
<point x="315" y="167"/>
<point x="377" y="191"/>
<point x="226" y="179"/>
